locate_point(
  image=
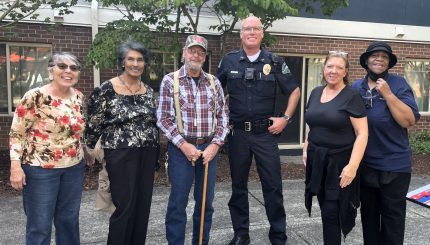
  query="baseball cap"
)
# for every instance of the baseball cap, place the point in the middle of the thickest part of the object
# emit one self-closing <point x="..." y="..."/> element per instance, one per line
<point x="196" y="40"/>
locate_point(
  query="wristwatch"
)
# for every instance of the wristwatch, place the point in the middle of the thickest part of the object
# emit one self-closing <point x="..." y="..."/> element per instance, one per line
<point x="286" y="117"/>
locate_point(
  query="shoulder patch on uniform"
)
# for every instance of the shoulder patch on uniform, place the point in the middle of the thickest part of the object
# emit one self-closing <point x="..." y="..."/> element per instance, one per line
<point x="285" y="69"/>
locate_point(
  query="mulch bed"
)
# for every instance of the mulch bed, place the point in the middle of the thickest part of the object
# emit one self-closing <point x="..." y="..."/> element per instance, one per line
<point x="420" y="166"/>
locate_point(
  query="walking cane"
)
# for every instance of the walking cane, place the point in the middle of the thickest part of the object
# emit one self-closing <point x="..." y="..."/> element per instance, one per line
<point x="202" y="215"/>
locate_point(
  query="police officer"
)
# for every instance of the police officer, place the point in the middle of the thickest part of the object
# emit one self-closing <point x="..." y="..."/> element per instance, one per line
<point x="251" y="75"/>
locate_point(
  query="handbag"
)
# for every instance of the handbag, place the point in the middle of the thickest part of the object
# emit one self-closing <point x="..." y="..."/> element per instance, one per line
<point x="103" y="196"/>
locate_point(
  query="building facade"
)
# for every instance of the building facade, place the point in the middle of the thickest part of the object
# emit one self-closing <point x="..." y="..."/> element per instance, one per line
<point x="302" y="41"/>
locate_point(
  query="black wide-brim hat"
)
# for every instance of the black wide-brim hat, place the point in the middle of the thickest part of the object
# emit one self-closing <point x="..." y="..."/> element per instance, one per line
<point x="378" y="46"/>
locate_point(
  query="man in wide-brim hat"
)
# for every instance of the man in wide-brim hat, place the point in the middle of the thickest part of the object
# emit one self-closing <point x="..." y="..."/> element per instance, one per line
<point x="386" y="165"/>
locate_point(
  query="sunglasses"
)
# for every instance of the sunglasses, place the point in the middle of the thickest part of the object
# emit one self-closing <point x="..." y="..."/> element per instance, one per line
<point x="336" y="52"/>
<point x="369" y="96"/>
<point x="63" y="66"/>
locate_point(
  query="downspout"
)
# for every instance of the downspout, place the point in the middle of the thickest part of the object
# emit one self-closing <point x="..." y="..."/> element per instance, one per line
<point x="94" y="31"/>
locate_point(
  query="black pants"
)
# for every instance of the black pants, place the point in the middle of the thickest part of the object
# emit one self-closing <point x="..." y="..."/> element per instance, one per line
<point x="242" y="147"/>
<point x="330" y="220"/>
<point x="131" y="176"/>
<point x="383" y="206"/>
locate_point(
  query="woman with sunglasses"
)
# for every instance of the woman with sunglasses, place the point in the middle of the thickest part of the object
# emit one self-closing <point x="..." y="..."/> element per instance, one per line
<point x="121" y="113"/>
<point x="386" y="167"/>
<point x="334" y="147"/>
<point x="47" y="156"/>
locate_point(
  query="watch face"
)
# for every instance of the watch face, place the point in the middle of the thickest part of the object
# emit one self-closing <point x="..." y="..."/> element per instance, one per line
<point x="286" y="117"/>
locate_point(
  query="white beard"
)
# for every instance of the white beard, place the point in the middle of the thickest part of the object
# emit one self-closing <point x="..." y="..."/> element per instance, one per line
<point x="193" y="66"/>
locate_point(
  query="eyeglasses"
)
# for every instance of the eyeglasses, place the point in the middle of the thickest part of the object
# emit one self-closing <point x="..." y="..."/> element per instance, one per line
<point x="252" y="29"/>
<point x="196" y="52"/>
<point x="63" y="66"/>
<point x="338" y="52"/>
<point x="369" y="96"/>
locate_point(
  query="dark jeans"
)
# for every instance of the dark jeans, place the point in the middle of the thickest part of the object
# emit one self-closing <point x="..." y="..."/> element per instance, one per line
<point x="53" y="195"/>
<point x="182" y="175"/>
<point x="264" y="147"/>
<point x="383" y="206"/>
<point x="131" y="176"/>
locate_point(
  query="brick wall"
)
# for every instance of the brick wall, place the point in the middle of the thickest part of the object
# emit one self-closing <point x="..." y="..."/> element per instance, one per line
<point x="354" y="48"/>
<point x="77" y="40"/>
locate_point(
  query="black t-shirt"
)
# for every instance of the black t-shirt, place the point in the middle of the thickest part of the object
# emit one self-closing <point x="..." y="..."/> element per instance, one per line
<point x="329" y="123"/>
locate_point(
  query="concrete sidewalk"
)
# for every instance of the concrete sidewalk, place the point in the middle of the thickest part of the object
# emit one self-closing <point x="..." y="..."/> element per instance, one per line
<point x="301" y="228"/>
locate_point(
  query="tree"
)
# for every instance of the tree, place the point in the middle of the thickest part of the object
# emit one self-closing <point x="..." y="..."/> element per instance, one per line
<point x="15" y="10"/>
<point x="140" y="15"/>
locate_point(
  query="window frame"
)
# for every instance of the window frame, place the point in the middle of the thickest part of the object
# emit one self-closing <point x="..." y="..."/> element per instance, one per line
<point x="8" y="71"/>
<point x="423" y="113"/>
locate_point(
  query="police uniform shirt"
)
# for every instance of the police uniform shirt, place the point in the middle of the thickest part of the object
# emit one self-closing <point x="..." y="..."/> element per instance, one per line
<point x="252" y="85"/>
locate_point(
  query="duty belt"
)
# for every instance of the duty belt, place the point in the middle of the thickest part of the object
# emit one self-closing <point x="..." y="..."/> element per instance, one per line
<point x="257" y="126"/>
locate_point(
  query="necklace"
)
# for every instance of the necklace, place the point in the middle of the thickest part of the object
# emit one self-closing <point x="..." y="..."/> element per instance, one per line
<point x="128" y="88"/>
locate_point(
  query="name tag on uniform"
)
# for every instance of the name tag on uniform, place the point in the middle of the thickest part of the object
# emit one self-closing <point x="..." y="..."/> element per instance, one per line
<point x="234" y="72"/>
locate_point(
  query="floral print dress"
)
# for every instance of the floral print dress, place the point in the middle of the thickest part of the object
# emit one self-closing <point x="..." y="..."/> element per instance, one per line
<point x="46" y="130"/>
<point x="121" y="121"/>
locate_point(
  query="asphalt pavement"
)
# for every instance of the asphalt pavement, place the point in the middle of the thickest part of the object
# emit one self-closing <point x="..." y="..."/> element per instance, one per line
<point x="301" y="229"/>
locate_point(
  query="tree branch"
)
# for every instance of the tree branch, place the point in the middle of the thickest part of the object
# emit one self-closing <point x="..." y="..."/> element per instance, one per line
<point x="9" y="10"/>
<point x="186" y="13"/>
<point x="178" y="19"/>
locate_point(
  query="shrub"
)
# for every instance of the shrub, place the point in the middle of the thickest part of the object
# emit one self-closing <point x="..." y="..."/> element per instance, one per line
<point x="420" y="142"/>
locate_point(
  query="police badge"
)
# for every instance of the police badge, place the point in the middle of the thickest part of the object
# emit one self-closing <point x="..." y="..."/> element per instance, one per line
<point x="266" y="69"/>
<point x="285" y="69"/>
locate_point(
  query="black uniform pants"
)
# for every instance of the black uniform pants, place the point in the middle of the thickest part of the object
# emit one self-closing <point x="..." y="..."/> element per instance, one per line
<point x="383" y="206"/>
<point x="131" y="176"/>
<point x="263" y="146"/>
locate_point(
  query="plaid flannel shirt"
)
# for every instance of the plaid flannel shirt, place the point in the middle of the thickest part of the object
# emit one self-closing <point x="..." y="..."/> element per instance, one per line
<point x="197" y="105"/>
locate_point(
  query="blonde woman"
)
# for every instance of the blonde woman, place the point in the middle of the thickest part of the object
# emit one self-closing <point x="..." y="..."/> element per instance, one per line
<point x="334" y="147"/>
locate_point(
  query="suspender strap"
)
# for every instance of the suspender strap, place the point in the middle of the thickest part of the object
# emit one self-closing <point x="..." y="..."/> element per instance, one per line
<point x="177" y="106"/>
<point x="176" y="98"/>
<point x="212" y="82"/>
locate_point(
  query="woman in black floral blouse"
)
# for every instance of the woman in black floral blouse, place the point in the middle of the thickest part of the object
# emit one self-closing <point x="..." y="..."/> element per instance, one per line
<point x="121" y="112"/>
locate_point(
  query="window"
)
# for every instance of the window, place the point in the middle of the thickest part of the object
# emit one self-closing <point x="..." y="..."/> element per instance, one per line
<point x="417" y="73"/>
<point x="161" y="64"/>
<point x="22" y="67"/>
<point x="314" y="74"/>
<point x="308" y="71"/>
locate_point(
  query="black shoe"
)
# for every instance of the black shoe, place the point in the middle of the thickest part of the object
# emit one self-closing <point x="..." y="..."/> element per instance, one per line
<point x="240" y="239"/>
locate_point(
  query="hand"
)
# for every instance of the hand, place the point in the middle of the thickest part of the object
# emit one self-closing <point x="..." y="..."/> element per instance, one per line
<point x="17" y="177"/>
<point x="209" y="153"/>
<point x="88" y="156"/>
<point x="383" y="88"/>
<point x="305" y="157"/>
<point x="190" y="151"/>
<point x="278" y="125"/>
<point x="347" y="175"/>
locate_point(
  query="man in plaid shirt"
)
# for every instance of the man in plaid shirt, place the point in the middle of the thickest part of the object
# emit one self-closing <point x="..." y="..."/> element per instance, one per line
<point x="205" y="125"/>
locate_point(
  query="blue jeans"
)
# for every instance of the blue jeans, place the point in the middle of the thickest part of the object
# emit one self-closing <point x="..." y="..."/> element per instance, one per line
<point x="53" y="195"/>
<point x="181" y="176"/>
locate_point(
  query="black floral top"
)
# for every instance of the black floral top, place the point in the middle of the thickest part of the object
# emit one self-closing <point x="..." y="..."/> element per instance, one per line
<point x="122" y="121"/>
